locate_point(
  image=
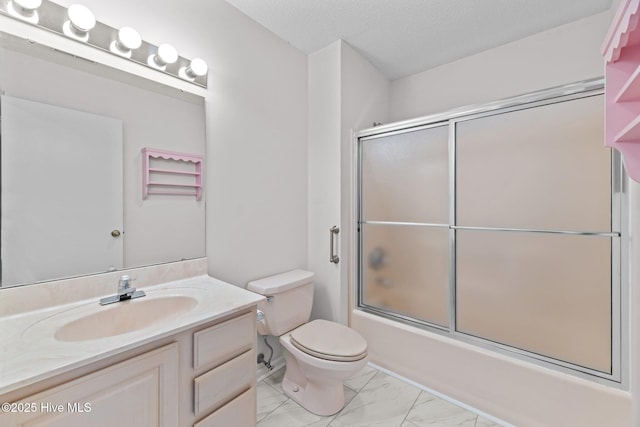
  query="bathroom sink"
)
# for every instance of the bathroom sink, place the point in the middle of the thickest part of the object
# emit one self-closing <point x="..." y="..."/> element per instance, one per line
<point x="125" y="316"/>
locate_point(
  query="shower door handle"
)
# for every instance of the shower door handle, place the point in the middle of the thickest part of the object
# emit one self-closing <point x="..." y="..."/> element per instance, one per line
<point x="333" y="232"/>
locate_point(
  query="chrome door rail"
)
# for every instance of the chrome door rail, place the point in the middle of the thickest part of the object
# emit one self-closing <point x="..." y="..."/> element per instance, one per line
<point x="547" y="95"/>
<point x="533" y="230"/>
<point x="518" y="230"/>
<point x="410" y="224"/>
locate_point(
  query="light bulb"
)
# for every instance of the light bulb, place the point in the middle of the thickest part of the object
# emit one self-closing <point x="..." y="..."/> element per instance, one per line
<point x="197" y="68"/>
<point x="80" y="22"/>
<point x="166" y="54"/>
<point x="26" y="10"/>
<point x="127" y="40"/>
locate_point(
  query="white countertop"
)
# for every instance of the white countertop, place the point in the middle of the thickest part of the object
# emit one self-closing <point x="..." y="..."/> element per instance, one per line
<point x="29" y="352"/>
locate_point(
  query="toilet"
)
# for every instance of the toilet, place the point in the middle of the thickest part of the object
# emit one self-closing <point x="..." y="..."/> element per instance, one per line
<point x="320" y="354"/>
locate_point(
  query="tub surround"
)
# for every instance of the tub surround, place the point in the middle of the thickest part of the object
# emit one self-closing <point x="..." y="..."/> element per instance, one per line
<point x="30" y="353"/>
<point x="503" y="386"/>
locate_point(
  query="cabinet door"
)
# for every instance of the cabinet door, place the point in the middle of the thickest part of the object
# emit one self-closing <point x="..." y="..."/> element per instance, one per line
<point x="139" y="392"/>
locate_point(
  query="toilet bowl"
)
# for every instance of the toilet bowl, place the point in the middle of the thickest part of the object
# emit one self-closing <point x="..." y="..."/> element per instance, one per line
<point x="314" y="377"/>
<point x="320" y="354"/>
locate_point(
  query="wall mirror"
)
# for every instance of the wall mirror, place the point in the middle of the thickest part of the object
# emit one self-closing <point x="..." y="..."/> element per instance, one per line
<point x="71" y="167"/>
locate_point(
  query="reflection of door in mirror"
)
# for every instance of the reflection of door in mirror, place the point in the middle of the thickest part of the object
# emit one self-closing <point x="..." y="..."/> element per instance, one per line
<point x="66" y="164"/>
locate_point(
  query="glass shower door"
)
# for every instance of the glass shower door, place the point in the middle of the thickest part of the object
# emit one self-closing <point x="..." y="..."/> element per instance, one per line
<point x="534" y="236"/>
<point x="502" y="226"/>
<point x="405" y="223"/>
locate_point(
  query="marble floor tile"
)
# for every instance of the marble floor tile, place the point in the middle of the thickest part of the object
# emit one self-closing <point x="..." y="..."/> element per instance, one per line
<point x="290" y="414"/>
<point x="348" y="395"/>
<point x="483" y="422"/>
<point x="432" y="411"/>
<point x="269" y="399"/>
<point x="360" y="378"/>
<point x="275" y="379"/>
<point x="383" y="402"/>
<point x="373" y="399"/>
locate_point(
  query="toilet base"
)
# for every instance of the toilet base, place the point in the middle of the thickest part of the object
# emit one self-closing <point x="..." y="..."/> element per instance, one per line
<point x="316" y="384"/>
<point x="322" y="397"/>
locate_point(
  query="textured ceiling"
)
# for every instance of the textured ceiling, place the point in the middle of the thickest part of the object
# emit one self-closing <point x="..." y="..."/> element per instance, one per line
<point x="403" y="37"/>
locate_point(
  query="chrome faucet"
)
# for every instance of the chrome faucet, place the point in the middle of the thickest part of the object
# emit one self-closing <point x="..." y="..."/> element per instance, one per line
<point x="124" y="286"/>
<point x="125" y="292"/>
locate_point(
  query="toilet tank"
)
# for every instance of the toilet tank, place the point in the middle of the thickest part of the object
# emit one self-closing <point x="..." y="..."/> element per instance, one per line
<point x="289" y="300"/>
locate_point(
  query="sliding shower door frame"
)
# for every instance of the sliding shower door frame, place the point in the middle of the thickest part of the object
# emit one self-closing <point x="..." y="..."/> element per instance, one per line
<point x="390" y="314"/>
<point x="618" y="234"/>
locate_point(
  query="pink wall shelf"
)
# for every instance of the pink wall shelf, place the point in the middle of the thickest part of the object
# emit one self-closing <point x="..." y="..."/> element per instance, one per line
<point x="631" y="133"/>
<point x="621" y="51"/>
<point x="152" y="182"/>
<point x="631" y="90"/>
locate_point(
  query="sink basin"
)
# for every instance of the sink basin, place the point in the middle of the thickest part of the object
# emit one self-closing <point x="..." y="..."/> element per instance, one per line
<point x="125" y="316"/>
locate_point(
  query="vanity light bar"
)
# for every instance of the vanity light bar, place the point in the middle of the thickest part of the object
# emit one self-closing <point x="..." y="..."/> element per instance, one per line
<point x="78" y="23"/>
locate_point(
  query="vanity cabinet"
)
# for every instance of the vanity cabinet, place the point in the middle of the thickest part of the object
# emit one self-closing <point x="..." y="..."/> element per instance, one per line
<point x="202" y="377"/>
<point x="138" y="392"/>
<point x="234" y="413"/>
<point x="224" y="373"/>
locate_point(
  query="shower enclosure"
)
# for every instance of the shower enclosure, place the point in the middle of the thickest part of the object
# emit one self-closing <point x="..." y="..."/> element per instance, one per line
<point x="501" y="225"/>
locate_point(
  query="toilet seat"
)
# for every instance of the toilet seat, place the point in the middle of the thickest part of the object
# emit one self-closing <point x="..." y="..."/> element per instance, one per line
<point x="330" y="341"/>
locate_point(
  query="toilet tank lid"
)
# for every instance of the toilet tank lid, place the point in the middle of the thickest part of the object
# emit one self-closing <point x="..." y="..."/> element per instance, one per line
<point x="280" y="282"/>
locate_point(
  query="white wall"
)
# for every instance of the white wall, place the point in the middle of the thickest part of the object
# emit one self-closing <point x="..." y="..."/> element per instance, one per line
<point x="346" y="93"/>
<point x="364" y="100"/>
<point x="257" y="149"/>
<point x="516" y="391"/>
<point x="555" y="57"/>
<point x="324" y="177"/>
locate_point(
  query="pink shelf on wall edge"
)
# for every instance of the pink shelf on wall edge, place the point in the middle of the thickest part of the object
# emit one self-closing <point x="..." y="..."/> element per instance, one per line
<point x="631" y="90"/>
<point x="631" y="133"/>
<point x="621" y="31"/>
<point x="621" y="51"/>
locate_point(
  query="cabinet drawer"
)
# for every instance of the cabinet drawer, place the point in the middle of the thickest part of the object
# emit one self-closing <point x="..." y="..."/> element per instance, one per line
<point x="220" y="343"/>
<point x="224" y="382"/>
<point x="240" y="412"/>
